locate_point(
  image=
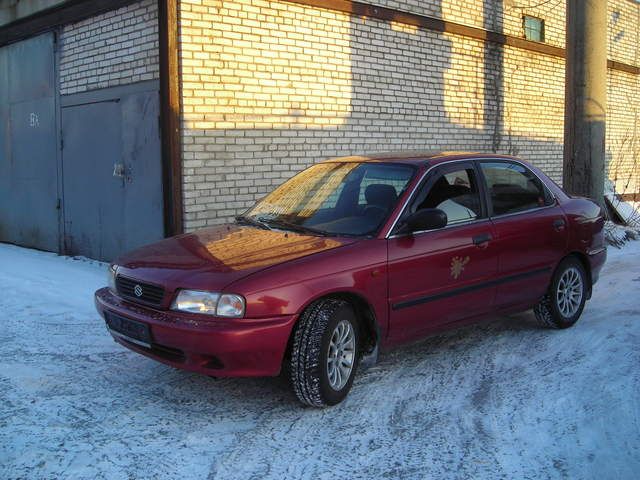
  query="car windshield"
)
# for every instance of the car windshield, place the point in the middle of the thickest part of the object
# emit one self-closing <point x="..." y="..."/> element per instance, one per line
<point x="348" y="198"/>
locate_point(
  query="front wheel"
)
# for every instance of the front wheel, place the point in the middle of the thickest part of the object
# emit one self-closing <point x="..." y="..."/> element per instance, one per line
<point x="325" y="352"/>
<point x="562" y="306"/>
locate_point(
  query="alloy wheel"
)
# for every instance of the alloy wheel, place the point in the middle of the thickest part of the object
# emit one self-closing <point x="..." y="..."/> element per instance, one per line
<point x="341" y="355"/>
<point x="569" y="293"/>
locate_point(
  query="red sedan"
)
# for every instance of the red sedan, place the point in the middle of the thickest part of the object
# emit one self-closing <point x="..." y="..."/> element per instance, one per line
<point x="354" y="255"/>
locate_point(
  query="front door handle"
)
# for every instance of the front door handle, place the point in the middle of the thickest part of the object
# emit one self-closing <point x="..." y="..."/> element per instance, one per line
<point x="481" y="239"/>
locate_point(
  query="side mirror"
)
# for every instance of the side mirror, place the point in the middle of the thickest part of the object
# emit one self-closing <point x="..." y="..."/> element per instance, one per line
<point x="426" y="219"/>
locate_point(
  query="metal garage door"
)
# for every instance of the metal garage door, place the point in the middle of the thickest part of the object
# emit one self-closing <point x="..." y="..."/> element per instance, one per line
<point x="112" y="179"/>
<point x="28" y="137"/>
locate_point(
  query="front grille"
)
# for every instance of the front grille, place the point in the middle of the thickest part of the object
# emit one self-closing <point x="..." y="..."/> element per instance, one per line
<point x="151" y="294"/>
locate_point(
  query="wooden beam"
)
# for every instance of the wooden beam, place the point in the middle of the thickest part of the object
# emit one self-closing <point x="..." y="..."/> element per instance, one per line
<point x="170" y="116"/>
<point x="623" y="67"/>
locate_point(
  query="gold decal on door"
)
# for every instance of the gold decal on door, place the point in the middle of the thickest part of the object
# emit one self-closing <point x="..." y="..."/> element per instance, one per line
<point x="457" y="266"/>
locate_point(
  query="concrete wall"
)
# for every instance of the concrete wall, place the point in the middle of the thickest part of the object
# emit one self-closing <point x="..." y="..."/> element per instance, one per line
<point x="115" y="48"/>
<point x="270" y="87"/>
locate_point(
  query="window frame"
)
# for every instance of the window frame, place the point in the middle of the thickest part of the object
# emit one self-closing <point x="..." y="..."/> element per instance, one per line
<point x="426" y="183"/>
<point x="546" y="190"/>
<point x="542" y="28"/>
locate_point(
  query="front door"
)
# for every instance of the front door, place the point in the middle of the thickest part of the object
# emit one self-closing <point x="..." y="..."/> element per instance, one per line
<point x="442" y="276"/>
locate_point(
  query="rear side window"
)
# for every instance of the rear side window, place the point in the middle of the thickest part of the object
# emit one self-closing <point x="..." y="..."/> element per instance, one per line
<point x="514" y="188"/>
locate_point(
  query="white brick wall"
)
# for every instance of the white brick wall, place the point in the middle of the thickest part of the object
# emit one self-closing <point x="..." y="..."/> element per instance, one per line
<point x="506" y="16"/>
<point x="623" y="24"/>
<point x="623" y="131"/>
<point x="270" y="87"/>
<point x="115" y="48"/>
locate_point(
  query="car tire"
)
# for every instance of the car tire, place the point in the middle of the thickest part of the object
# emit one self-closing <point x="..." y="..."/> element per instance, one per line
<point x="317" y="353"/>
<point x="562" y="306"/>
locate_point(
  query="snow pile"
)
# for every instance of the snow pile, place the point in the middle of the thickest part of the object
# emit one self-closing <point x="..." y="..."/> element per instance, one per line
<point x="506" y="399"/>
<point x="617" y="235"/>
<point x="627" y="224"/>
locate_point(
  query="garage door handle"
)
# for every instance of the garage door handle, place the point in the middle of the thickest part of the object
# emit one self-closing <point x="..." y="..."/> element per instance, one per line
<point x="118" y="170"/>
<point x="481" y="239"/>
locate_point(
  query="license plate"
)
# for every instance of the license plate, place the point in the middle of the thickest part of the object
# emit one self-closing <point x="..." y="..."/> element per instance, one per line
<point x="131" y="330"/>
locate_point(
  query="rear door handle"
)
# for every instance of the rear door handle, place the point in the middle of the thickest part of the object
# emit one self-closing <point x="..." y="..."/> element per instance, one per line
<point x="482" y="238"/>
<point x="558" y="224"/>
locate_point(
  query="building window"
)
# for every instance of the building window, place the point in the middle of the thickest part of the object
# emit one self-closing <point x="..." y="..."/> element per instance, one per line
<point x="533" y="28"/>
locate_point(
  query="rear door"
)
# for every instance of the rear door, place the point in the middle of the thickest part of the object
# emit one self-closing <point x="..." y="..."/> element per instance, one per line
<point x="530" y="231"/>
<point x="442" y="276"/>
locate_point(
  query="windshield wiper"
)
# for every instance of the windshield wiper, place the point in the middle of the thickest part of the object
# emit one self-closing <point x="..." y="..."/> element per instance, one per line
<point x="292" y="226"/>
<point x="252" y="221"/>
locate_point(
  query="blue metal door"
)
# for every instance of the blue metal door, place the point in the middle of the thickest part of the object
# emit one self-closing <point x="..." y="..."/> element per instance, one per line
<point x="112" y="177"/>
<point x="29" y="207"/>
<point x="93" y="197"/>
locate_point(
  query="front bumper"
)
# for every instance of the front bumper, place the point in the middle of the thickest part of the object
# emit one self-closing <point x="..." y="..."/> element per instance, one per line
<point x="216" y="347"/>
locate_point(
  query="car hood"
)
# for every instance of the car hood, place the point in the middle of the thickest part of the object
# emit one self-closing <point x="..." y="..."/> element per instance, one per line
<point x="212" y="258"/>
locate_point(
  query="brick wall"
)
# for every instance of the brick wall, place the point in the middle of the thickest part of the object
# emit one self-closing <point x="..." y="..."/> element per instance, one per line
<point x="623" y="131"/>
<point x="624" y="31"/>
<point x="118" y="47"/>
<point x="498" y="15"/>
<point x="506" y="16"/>
<point x="270" y="87"/>
<point x="623" y="109"/>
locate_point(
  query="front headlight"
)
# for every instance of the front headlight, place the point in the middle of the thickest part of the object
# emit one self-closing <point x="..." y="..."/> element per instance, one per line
<point x="111" y="277"/>
<point x="209" y="303"/>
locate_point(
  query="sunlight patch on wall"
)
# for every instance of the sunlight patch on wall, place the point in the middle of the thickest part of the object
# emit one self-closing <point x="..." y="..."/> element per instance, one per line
<point x="265" y="65"/>
<point x="403" y="27"/>
<point x="533" y="95"/>
<point x="623" y="131"/>
<point x="464" y="83"/>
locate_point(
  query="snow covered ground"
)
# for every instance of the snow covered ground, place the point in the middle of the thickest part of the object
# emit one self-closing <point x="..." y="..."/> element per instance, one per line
<point x="503" y="400"/>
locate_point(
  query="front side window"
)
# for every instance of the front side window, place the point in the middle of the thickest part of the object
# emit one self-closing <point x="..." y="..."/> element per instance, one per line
<point x="455" y="193"/>
<point x="513" y="188"/>
<point x="346" y="198"/>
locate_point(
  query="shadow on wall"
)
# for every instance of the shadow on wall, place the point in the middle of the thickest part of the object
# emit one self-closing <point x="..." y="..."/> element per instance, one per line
<point x="320" y="83"/>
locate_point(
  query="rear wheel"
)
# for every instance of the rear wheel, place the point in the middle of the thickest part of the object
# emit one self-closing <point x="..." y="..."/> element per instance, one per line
<point x="562" y="306"/>
<point x="325" y="352"/>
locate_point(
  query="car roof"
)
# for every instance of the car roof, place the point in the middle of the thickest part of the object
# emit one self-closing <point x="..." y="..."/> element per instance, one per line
<point x="417" y="157"/>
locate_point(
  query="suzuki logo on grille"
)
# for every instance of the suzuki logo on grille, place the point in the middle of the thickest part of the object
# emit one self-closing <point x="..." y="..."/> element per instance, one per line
<point x="137" y="290"/>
